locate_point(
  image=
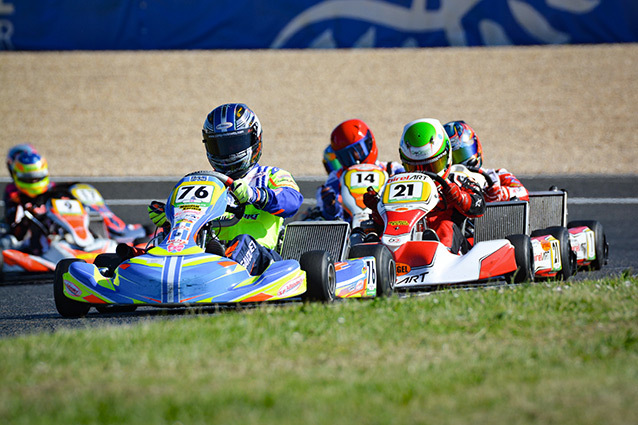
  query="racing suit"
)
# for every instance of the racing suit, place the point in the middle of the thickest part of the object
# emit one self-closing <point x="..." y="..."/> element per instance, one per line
<point x="329" y="194"/>
<point x="253" y="240"/>
<point x="506" y="187"/>
<point x="465" y="200"/>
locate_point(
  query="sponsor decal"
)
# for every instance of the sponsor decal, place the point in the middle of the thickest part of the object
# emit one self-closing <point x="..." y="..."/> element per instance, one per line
<point x="402" y="269"/>
<point x="223" y="126"/>
<point x="72" y="288"/>
<point x="290" y="286"/>
<point x="399" y="223"/>
<point x="190" y="207"/>
<point x="416" y="279"/>
<point x="175" y="245"/>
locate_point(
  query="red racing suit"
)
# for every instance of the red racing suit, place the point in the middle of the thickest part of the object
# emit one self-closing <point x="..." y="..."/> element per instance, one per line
<point x="507" y="188"/>
<point x="464" y="200"/>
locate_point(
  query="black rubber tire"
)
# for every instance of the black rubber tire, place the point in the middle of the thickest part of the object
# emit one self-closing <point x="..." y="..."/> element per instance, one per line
<point x="567" y="256"/>
<point x="524" y="259"/>
<point x="66" y="306"/>
<point x="386" y="273"/>
<point x="320" y="276"/>
<point x="600" y="240"/>
<point x="111" y="261"/>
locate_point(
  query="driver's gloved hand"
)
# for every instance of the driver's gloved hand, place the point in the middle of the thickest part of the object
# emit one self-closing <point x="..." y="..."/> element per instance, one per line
<point x="246" y="194"/>
<point x="493" y="192"/>
<point x="371" y="199"/>
<point x="454" y="195"/>
<point x="157" y="213"/>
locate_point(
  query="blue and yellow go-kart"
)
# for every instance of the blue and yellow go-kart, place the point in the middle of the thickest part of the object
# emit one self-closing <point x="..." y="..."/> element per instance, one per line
<point x="179" y="272"/>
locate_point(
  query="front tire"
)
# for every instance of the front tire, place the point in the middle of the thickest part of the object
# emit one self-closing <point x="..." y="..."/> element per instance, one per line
<point x="600" y="239"/>
<point x="321" y="280"/>
<point x="66" y="306"/>
<point x="386" y="272"/>
<point x="524" y="259"/>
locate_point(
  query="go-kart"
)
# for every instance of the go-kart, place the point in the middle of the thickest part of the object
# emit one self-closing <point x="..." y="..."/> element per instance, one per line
<point x="182" y="269"/>
<point x="62" y="231"/>
<point x="560" y="248"/>
<point x="422" y="261"/>
<point x="73" y="222"/>
<point x="104" y="222"/>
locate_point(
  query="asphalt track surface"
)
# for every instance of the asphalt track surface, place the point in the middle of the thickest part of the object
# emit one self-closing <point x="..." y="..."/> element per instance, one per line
<point x="27" y="306"/>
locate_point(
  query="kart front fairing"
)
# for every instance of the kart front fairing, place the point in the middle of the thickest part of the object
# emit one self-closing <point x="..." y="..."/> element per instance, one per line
<point x="406" y="202"/>
<point x="178" y="271"/>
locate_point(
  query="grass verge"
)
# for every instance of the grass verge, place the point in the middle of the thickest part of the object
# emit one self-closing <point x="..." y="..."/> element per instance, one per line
<point x="544" y="353"/>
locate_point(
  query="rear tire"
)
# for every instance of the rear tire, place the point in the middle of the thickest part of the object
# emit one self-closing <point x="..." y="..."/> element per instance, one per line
<point x="386" y="273"/>
<point x="66" y="306"/>
<point x="567" y="256"/>
<point x="600" y="239"/>
<point x="321" y="280"/>
<point x="524" y="259"/>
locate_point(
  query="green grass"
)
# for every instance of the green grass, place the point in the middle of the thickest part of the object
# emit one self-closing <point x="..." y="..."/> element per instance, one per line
<point x="550" y="353"/>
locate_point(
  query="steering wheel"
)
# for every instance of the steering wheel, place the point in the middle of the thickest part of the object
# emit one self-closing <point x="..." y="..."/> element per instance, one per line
<point x="440" y="180"/>
<point x="237" y="211"/>
<point x="482" y="172"/>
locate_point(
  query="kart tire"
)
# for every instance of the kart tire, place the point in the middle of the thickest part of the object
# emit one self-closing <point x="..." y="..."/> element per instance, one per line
<point x="567" y="256"/>
<point x="321" y="280"/>
<point x="600" y="239"/>
<point x="66" y="306"/>
<point x="524" y="259"/>
<point x="111" y="261"/>
<point x="386" y="266"/>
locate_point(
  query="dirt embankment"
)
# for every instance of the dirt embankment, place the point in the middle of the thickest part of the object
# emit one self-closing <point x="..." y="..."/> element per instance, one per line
<point x="537" y="110"/>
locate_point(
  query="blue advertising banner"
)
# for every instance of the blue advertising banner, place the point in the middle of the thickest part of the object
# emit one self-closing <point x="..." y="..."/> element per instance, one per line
<point x="280" y="24"/>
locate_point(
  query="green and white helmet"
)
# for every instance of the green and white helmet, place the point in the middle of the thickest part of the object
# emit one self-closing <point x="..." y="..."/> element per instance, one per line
<point x="425" y="146"/>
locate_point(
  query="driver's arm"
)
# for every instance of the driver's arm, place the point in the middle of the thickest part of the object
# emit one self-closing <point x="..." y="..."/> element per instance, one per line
<point x="465" y="195"/>
<point x="284" y="197"/>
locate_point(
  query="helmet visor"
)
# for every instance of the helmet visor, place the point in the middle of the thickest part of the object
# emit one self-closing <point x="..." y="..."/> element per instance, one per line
<point x="31" y="176"/>
<point x="357" y="152"/>
<point x="465" y="154"/>
<point x="437" y="165"/>
<point x="228" y="144"/>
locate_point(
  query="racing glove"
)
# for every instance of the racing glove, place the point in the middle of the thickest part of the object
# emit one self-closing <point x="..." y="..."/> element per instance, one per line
<point x="371" y="199"/>
<point x="157" y="213"/>
<point x="454" y="195"/>
<point x="246" y="194"/>
<point x="493" y="190"/>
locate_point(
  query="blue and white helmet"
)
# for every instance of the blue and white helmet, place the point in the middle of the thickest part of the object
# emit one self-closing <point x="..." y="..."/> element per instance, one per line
<point x="232" y="137"/>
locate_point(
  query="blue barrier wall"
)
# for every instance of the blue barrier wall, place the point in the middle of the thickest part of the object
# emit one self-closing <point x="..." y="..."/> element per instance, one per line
<point x="260" y="24"/>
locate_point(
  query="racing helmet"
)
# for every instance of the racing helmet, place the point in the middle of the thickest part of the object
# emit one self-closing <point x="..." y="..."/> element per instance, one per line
<point x="232" y="137"/>
<point x="425" y="146"/>
<point x="31" y="174"/>
<point x="353" y="143"/>
<point x="330" y="161"/>
<point x="14" y="152"/>
<point x="466" y="146"/>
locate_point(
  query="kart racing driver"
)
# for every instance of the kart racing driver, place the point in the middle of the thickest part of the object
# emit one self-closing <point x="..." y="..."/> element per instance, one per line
<point x="467" y="151"/>
<point x="425" y="146"/>
<point x="352" y="142"/>
<point x="232" y="136"/>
